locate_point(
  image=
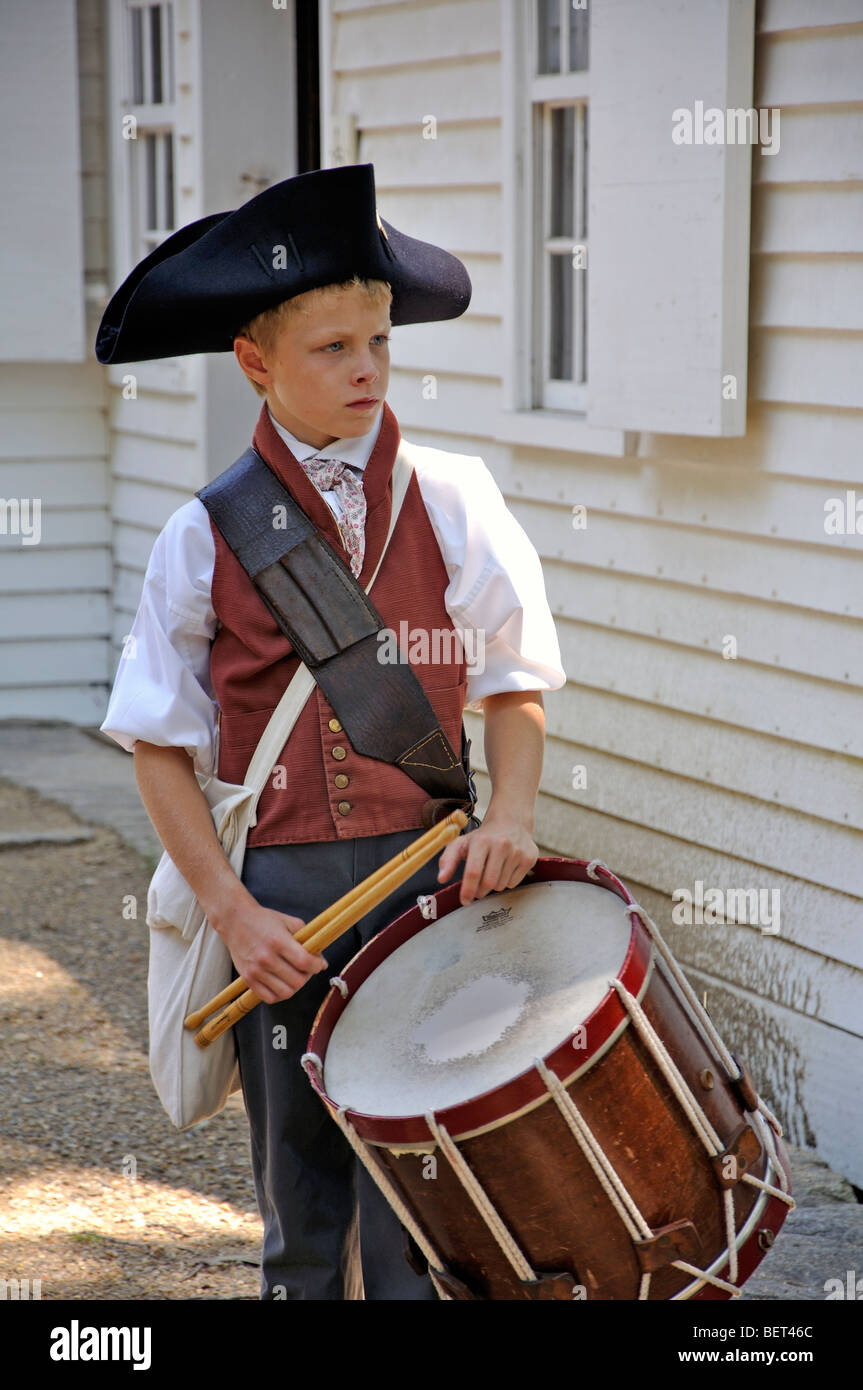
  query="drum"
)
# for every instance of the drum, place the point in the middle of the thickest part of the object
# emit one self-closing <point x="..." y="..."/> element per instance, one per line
<point x="543" y="1100"/>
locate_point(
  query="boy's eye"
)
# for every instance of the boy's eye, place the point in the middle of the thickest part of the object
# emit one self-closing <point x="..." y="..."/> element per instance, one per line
<point x="379" y="337"/>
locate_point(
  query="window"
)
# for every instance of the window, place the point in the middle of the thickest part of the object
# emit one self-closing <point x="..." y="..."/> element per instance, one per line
<point x="558" y="91"/>
<point x="152" y="86"/>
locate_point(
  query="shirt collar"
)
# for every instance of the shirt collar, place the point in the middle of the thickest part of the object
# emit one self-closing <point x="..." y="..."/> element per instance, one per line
<point x="355" y="450"/>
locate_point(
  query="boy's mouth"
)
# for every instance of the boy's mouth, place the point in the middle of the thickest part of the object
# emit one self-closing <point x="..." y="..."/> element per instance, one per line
<point x="365" y="404"/>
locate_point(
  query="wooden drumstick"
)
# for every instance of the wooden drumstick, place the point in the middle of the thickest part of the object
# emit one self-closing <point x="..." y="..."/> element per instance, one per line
<point x="238" y="986"/>
<point x="329" y="925"/>
<point x="228" y="994"/>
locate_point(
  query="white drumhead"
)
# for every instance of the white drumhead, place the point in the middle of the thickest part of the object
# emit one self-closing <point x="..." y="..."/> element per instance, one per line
<point x="468" y="1002"/>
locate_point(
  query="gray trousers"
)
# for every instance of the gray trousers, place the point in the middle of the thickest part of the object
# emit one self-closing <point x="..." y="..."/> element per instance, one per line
<point x="328" y="1232"/>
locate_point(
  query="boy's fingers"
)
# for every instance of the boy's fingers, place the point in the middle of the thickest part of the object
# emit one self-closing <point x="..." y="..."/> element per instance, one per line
<point x="451" y="856"/>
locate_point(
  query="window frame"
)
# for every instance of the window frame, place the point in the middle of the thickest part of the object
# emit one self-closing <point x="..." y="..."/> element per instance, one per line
<point x="523" y="417"/>
<point x="182" y="117"/>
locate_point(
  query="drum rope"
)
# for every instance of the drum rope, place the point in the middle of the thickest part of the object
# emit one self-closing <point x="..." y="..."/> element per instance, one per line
<point x="384" y="1182"/>
<point x="730" y="1233"/>
<point x="728" y="1062"/>
<point x="700" y="1123"/>
<point x="481" y="1200"/>
<point x="637" y="1227"/>
<point x="708" y="1278"/>
<point x="725" y="1056"/>
<point x="610" y="1181"/>
<point x="691" y="997"/>
<point x="770" y="1144"/>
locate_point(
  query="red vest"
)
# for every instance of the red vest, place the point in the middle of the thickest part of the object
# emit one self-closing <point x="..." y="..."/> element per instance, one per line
<point x="321" y="789"/>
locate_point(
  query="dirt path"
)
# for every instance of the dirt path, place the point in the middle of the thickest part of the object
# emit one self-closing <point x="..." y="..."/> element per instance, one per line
<point x="100" y="1197"/>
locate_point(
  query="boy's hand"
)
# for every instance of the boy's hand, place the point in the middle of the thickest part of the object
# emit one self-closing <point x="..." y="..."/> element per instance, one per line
<point x="263" y="948"/>
<point x="497" y="855"/>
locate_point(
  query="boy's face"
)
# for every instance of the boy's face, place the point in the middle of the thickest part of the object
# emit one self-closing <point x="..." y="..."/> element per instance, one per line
<point x="324" y="359"/>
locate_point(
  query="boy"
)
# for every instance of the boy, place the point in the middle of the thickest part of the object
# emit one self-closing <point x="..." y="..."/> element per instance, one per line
<point x="312" y="337"/>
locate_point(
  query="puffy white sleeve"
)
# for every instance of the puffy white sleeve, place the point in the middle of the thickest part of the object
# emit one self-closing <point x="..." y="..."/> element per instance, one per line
<point x="162" y="690"/>
<point x="496" y="593"/>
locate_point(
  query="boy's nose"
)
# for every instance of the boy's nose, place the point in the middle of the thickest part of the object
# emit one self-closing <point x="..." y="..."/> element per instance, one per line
<point x="366" y="369"/>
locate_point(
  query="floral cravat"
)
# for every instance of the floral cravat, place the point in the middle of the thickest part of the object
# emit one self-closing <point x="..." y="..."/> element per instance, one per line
<point x="332" y="473"/>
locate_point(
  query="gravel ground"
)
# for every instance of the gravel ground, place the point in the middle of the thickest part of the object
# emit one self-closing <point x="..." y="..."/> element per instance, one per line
<point x="101" y="1197"/>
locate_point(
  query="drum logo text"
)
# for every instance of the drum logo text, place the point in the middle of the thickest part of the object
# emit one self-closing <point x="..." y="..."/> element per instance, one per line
<point x="495" y="919"/>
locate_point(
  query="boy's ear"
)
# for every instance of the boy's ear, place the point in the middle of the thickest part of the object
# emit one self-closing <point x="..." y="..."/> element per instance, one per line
<point x="249" y="358"/>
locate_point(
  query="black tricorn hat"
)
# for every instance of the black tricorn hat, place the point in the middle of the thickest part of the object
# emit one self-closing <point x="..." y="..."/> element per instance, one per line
<point x="204" y="282"/>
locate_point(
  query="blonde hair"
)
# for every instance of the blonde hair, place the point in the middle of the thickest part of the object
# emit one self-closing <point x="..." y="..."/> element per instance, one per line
<point x="265" y="328"/>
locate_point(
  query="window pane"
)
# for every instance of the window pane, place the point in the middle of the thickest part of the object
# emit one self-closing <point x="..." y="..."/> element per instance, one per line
<point x="137" y="60"/>
<point x="579" y="48"/>
<point x="150" y="221"/>
<point x="584" y="150"/>
<point x="168" y="29"/>
<point x="562" y="166"/>
<point x="156" y="51"/>
<point x="583" y="374"/>
<point x="169" y="182"/>
<point x="561" y="317"/>
<point x="548" y="35"/>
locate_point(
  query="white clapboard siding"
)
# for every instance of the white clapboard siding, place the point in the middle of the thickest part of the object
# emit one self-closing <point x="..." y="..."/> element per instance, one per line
<point x="824" y="921"/>
<point x="420" y="92"/>
<point x="34" y="663"/>
<point x="156" y="461"/>
<point x="47" y="617"/>
<point x="55" y="607"/>
<point x="791" y="366"/>
<point x="791" y="510"/>
<point x="788" y="16"/>
<point x="32" y="570"/>
<point x="800" y="292"/>
<point x="385" y="37"/>
<point x="464" y="405"/>
<point x="804" y="442"/>
<point x="421" y="347"/>
<point x="407" y="158"/>
<point x="717" y="754"/>
<point x="58" y="483"/>
<point x="485" y="278"/>
<point x="812" y="70"/>
<point x="807" y="220"/>
<point x="811" y="577"/>
<point x="71" y="704"/>
<point x="814" y="147"/>
<point x="701" y="683"/>
<point x="831" y="651"/>
<point x="734" y="772"/>
<point x="42" y="271"/>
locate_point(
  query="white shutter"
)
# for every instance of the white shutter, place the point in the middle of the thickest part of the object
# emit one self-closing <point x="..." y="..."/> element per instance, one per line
<point x="41" y="264"/>
<point x="668" y="275"/>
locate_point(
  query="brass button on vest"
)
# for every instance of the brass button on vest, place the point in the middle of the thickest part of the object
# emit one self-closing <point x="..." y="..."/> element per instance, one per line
<point x="341" y="780"/>
<point x="339" y="752"/>
<point x="344" y="807"/>
<point x="335" y="726"/>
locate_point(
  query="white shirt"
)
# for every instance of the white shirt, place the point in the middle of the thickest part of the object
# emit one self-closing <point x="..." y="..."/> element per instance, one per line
<point x="162" y="690"/>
